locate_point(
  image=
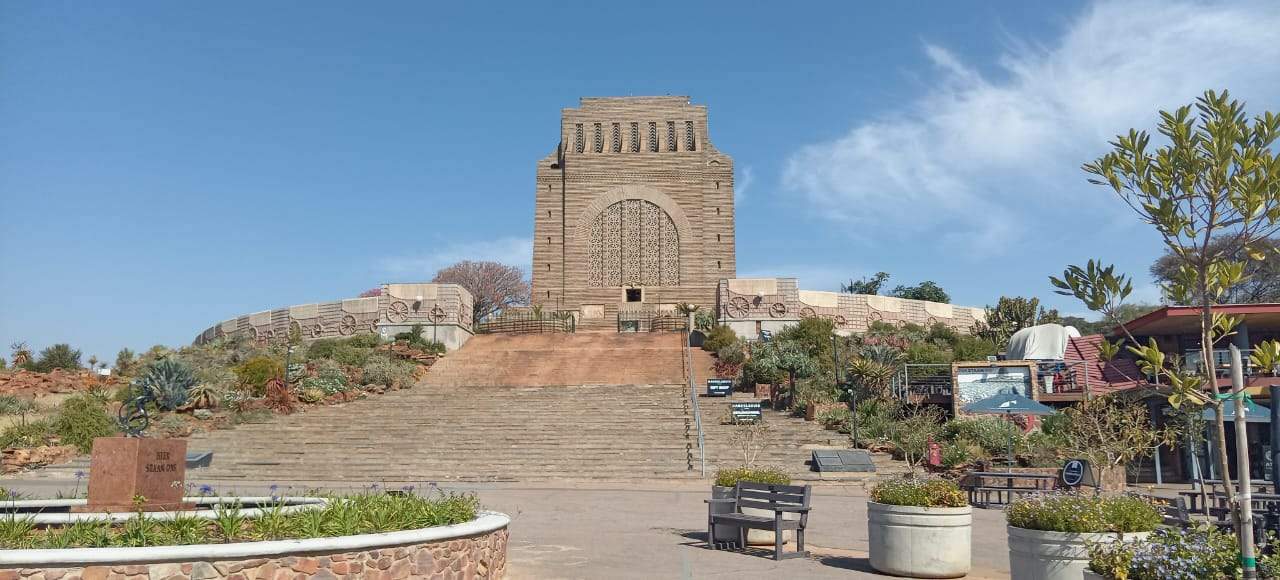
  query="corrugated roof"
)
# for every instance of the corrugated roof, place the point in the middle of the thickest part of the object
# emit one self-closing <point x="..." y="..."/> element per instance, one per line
<point x="1104" y="377"/>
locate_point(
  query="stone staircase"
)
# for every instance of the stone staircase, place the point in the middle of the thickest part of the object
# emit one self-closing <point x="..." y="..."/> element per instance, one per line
<point x="498" y="409"/>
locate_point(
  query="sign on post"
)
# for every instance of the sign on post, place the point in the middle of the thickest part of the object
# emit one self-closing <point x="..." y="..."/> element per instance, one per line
<point x="719" y="387"/>
<point x="1076" y="472"/>
<point x="746" y="412"/>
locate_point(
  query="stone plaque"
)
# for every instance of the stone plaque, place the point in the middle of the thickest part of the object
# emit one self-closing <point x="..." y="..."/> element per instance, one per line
<point x="124" y="468"/>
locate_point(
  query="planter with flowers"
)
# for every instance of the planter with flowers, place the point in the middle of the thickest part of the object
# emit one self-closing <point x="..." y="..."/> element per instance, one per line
<point x="919" y="528"/>
<point x="1199" y="553"/>
<point x="1049" y="534"/>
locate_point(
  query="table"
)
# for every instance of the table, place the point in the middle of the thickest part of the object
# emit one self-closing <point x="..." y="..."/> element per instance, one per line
<point x="1040" y="481"/>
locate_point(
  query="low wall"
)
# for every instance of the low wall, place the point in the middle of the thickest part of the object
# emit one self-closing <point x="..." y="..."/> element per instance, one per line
<point x="476" y="549"/>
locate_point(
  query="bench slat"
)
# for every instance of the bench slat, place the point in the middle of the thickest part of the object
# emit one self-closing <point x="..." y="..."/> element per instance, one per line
<point x="797" y="499"/>
<point x="792" y="489"/>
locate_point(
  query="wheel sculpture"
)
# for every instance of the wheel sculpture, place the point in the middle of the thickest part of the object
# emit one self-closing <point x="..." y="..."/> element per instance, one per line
<point x="133" y="416"/>
<point x="253" y="333"/>
<point x="875" y="316"/>
<point x="436" y="315"/>
<point x="373" y="327"/>
<point x="737" y="307"/>
<point x="807" y="312"/>
<point x="348" y="325"/>
<point x="399" y="312"/>
<point x="777" y="310"/>
<point x="270" y="334"/>
<point x="316" y="330"/>
<point x="932" y="321"/>
<point x="840" y="320"/>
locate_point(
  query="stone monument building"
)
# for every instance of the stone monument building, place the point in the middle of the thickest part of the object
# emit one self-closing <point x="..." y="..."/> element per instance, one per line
<point x="634" y="211"/>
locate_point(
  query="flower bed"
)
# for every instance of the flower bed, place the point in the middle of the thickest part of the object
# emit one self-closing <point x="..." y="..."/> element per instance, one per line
<point x="1175" y="554"/>
<point x="399" y="535"/>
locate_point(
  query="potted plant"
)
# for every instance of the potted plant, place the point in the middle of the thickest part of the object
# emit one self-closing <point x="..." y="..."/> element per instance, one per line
<point x="1049" y="534"/>
<point x="725" y="481"/>
<point x="1202" y="552"/>
<point x="919" y="528"/>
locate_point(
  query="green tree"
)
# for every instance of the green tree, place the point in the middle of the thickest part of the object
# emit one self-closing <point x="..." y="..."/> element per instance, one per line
<point x="786" y="356"/>
<point x="58" y="356"/>
<point x="1011" y="315"/>
<point x="1212" y="193"/>
<point x="1261" y="281"/>
<point x="870" y="285"/>
<point x="126" y="362"/>
<point x="927" y="290"/>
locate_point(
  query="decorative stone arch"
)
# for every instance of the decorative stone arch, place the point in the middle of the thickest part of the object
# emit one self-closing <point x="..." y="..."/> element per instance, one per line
<point x="645" y="193"/>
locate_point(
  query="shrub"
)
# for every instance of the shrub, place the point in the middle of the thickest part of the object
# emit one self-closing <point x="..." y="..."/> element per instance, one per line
<point x="384" y="371"/>
<point x="993" y="434"/>
<point x="919" y="493"/>
<point x="959" y="453"/>
<point x="912" y="434"/>
<point x="1172" y="554"/>
<point x="254" y="373"/>
<point x="718" y="337"/>
<point x="926" y="353"/>
<point x="327" y="385"/>
<point x="80" y="419"/>
<point x="168" y="381"/>
<point x="58" y="356"/>
<point x="972" y="348"/>
<point x="364" y="341"/>
<point x="14" y="405"/>
<point x="311" y="395"/>
<point x="730" y="477"/>
<point x="126" y="362"/>
<point x="837" y="418"/>
<point x="352" y="351"/>
<point x="1071" y="512"/>
<point x="25" y="435"/>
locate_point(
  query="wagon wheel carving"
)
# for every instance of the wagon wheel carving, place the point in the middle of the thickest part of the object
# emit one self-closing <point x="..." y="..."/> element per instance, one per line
<point x="807" y="312"/>
<point x="253" y="333"/>
<point x="737" y="307"/>
<point x="840" y="320"/>
<point x="373" y="327"/>
<point x="348" y="325"/>
<point x="874" y="315"/>
<point x="436" y="315"/>
<point x="932" y="321"/>
<point x="399" y="312"/>
<point x="777" y="310"/>
<point x="316" y="330"/>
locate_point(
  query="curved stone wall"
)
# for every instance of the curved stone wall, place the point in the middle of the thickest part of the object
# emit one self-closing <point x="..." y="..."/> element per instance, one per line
<point x="476" y="549"/>
<point x="399" y="307"/>
<point x="776" y="302"/>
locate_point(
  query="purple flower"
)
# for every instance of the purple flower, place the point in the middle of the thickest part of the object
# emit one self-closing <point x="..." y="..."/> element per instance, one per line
<point x="80" y="474"/>
<point x="206" y="489"/>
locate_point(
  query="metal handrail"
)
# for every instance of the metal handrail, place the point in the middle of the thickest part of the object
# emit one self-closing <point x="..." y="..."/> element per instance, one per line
<point x="693" y="396"/>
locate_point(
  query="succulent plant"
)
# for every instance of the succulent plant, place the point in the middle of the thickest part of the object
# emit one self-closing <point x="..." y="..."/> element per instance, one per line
<point x="168" y="382"/>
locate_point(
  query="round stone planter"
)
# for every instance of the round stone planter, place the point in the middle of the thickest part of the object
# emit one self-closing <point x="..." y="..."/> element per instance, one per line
<point x="474" y="549"/>
<point x="1091" y="575"/>
<point x="754" y="537"/>
<point x="919" y="542"/>
<point x="1040" y="555"/>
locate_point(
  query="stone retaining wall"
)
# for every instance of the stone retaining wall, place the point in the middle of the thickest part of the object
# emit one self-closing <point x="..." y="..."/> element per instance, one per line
<point x="475" y="557"/>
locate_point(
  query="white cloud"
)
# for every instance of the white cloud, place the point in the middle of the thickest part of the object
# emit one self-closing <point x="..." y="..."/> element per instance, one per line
<point x="977" y="155"/>
<point x="510" y="250"/>
<point x="746" y="178"/>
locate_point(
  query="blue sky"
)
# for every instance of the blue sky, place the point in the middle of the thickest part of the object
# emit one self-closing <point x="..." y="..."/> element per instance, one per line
<point x="164" y="166"/>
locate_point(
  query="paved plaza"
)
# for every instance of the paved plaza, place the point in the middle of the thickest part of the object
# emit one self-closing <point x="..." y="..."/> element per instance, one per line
<point x="656" y="529"/>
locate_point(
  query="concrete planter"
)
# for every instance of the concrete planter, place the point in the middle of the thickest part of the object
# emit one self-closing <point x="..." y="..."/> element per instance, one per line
<point x="1040" y="555"/>
<point x="474" y="549"/>
<point x="919" y="542"/>
<point x="1091" y="575"/>
<point x="754" y="537"/>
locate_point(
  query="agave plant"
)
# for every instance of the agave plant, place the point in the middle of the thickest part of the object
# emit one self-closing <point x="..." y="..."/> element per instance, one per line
<point x="168" y="381"/>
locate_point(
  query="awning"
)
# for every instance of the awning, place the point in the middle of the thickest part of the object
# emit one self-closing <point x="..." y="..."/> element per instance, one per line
<point x="1253" y="412"/>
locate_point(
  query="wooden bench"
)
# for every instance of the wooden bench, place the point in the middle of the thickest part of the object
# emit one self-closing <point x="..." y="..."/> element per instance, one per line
<point x="780" y="499"/>
<point x="1001" y="484"/>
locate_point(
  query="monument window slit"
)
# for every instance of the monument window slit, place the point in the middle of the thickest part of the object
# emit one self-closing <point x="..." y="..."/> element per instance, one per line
<point x="671" y="135"/>
<point x="597" y="144"/>
<point x="577" y="139"/>
<point x="617" y="138"/>
<point x="635" y="137"/>
<point x="653" y="137"/>
<point x="689" y="143"/>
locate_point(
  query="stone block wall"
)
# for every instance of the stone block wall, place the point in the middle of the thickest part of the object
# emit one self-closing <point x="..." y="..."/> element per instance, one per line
<point x="478" y="557"/>
<point x="398" y="308"/>
<point x="750" y="304"/>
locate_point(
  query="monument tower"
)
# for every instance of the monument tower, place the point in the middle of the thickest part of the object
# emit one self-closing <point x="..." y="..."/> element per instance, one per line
<point x="633" y="212"/>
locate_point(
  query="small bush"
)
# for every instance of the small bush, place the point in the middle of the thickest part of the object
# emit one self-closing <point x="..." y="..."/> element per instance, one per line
<point x="769" y="475"/>
<point x="328" y="386"/>
<point x="254" y="373"/>
<point x="919" y="493"/>
<point x="718" y="338"/>
<point x="837" y="419"/>
<point x="168" y="381"/>
<point x="13" y="405"/>
<point x="311" y="395"/>
<point x="959" y="453"/>
<point x="1070" y="512"/>
<point x="80" y="419"/>
<point x="384" y="371"/>
<point x="26" y="435"/>
<point x="352" y="351"/>
<point x="58" y="356"/>
<point x="1174" y="554"/>
<point x="993" y="434"/>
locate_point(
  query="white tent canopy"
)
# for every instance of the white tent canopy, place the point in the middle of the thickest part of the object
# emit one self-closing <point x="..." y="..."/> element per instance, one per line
<point x="1042" y="342"/>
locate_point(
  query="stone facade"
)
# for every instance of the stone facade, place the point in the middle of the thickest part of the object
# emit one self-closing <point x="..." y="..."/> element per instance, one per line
<point x="477" y="557"/>
<point x="444" y="310"/>
<point x="643" y="202"/>
<point x="750" y="305"/>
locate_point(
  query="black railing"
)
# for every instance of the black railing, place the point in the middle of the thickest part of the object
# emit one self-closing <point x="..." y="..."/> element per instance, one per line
<point x="649" y="321"/>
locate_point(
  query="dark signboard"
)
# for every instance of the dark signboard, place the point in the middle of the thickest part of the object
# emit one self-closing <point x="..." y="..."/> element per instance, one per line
<point x="1074" y="472"/>
<point x="766" y="335"/>
<point x="746" y="412"/>
<point x="848" y="460"/>
<point x="719" y="387"/>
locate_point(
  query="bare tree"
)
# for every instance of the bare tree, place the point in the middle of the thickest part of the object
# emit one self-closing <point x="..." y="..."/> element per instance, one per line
<point x="493" y="286"/>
